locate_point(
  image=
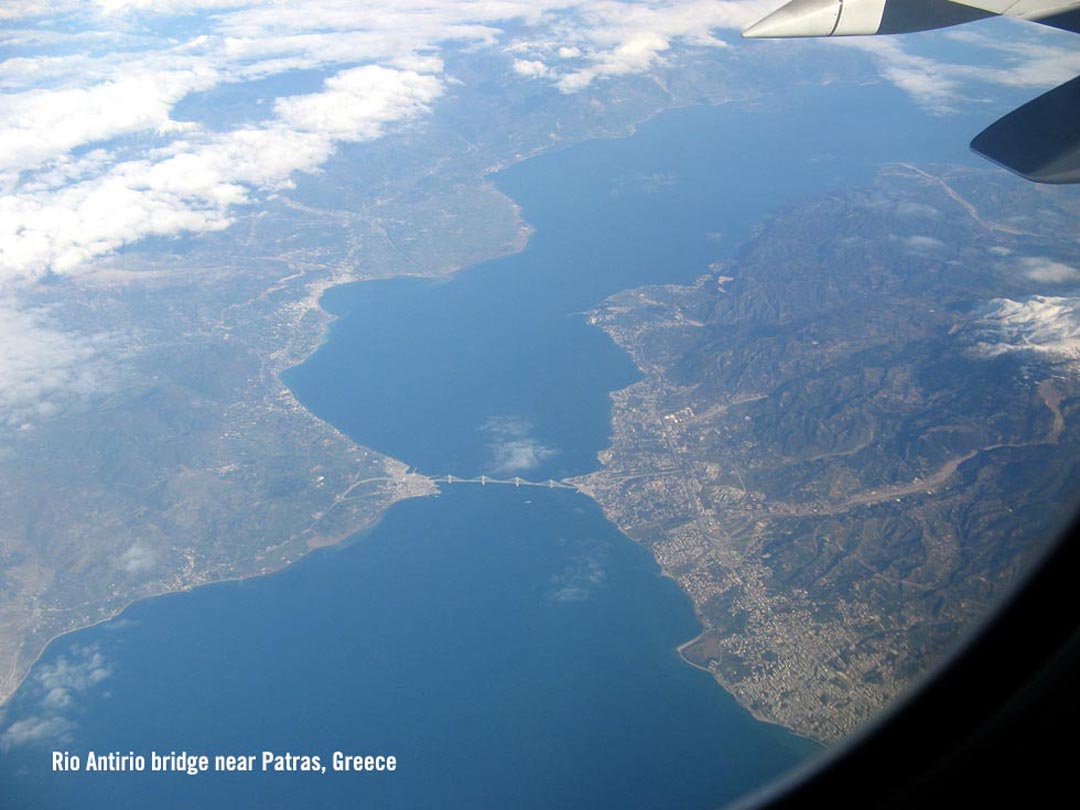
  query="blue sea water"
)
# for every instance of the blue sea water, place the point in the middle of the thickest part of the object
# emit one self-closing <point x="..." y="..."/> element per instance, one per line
<point x="446" y="376"/>
<point x="509" y="646"/>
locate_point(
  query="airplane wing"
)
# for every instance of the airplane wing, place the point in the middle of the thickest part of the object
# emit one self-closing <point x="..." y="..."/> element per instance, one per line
<point x="839" y="18"/>
<point x="1064" y="14"/>
<point x="1039" y="141"/>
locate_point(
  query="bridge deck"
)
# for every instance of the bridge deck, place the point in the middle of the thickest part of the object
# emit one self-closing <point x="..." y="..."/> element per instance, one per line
<point x="516" y="481"/>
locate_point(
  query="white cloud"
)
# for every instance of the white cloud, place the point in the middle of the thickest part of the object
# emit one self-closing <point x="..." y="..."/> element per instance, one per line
<point x="635" y="54"/>
<point x="167" y="6"/>
<point x="37" y="730"/>
<point x="579" y="579"/>
<point x="20" y="9"/>
<point x="1032" y="56"/>
<point x="358" y="104"/>
<point x="191" y="183"/>
<point x="613" y="38"/>
<point x="518" y="455"/>
<point x="138" y="558"/>
<point x="1021" y="54"/>
<point x="931" y="82"/>
<point x="530" y="68"/>
<point x="43" y="124"/>
<point x="91" y="157"/>
<point x="42" y="368"/>
<point x="1038" y="268"/>
<point x="513" y="447"/>
<point x="921" y="244"/>
<point x="916" y="210"/>
<point x="86" y="667"/>
<point x="52" y="692"/>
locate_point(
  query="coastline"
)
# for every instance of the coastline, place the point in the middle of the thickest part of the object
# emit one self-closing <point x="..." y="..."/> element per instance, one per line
<point x="338" y="540"/>
<point x="305" y="341"/>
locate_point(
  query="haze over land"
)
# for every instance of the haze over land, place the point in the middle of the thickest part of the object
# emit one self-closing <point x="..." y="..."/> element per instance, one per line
<point x="181" y="181"/>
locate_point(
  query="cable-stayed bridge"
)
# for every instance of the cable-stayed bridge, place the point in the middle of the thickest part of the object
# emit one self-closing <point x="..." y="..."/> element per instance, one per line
<point x="488" y="480"/>
<point x="483" y="480"/>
